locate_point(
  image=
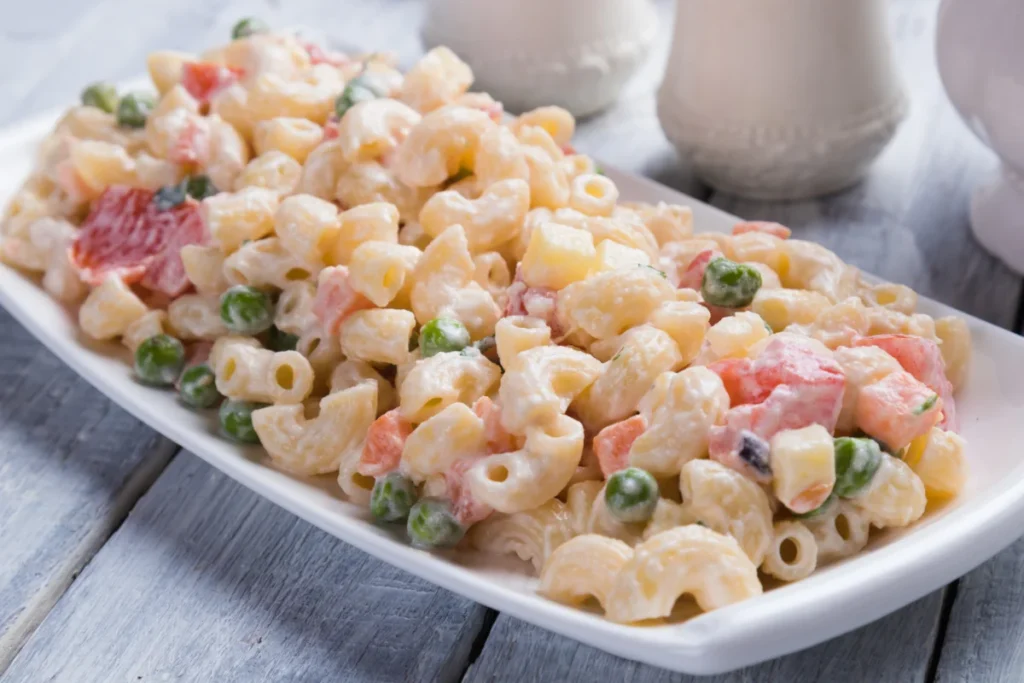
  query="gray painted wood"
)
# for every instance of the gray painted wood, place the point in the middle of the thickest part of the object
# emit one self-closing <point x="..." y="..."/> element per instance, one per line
<point x="206" y="581"/>
<point x="893" y="650"/>
<point x="907" y="221"/>
<point x="72" y="466"/>
<point x="984" y="640"/>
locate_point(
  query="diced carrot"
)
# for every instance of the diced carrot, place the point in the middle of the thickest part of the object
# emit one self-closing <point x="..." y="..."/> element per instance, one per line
<point x="921" y="358"/>
<point x="788" y="386"/>
<point x="897" y="409"/>
<point x="781" y="362"/>
<point x="192" y="145"/>
<point x="537" y="302"/>
<point x="331" y="127"/>
<point x="612" y="444"/>
<point x="498" y="439"/>
<point x="335" y="299"/>
<point x="467" y="509"/>
<point x="787" y="407"/>
<point x="693" y="276"/>
<point x="737" y="374"/>
<point x="203" y="80"/>
<point x="384" y="443"/>
<point x="318" y="55"/>
<point x="810" y="498"/>
<point x="766" y="227"/>
<point x="784" y="362"/>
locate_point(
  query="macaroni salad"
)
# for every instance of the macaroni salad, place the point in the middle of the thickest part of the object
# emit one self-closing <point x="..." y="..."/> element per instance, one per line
<point x="379" y="276"/>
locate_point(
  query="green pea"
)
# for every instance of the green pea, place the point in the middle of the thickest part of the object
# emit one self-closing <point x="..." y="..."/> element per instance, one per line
<point x="169" y="196"/>
<point x="102" y="96"/>
<point x="821" y="509"/>
<point x="392" y="498"/>
<point x="236" y="420"/>
<point x="133" y="109"/>
<point x="159" y="359"/>
<point x="197" y="387"/>
<point x="357" y="90"/>
<point x="432" y="525"/>
<point x="443" y="334"/>
<point x="246" y="310"/>
<point x="199" y="187"/>
<point x="278" y="340"/>
<point x="857" y="460"/>
<point x="631" y="495"/>
<point x="729" y="284"/>
<point x="248" y="26"/>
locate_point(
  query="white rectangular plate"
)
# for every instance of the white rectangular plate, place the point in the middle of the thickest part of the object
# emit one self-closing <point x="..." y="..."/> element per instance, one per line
<point x="896" y="569"/>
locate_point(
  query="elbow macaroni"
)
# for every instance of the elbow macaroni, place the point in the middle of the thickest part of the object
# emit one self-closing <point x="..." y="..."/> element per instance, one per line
<point x="323" y="444"/>
<point x="248" y="373"/>
<point x="688" y="559"/>
<point x="523" y="479"/>
<point x="532" y="535"/>
<point x="110" y="309"/>
<point x="584" y="567"/>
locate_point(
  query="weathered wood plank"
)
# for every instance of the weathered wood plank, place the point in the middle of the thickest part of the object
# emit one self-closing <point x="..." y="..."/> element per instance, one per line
<point x="893" y="650"/>
<point x="985" y="634"/>
<point x="207" y="581"/>
<point x="907" y="221"/>
<point x="73" y="465"/>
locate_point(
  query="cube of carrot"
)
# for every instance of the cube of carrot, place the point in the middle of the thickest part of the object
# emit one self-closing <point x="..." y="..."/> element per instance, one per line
<point x="897" y="409"/>
<point x="612" y="444"/>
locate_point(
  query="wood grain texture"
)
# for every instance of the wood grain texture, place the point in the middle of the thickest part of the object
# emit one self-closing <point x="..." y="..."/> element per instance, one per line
<point x="72" y="465"/>
<point x="907" y="221"/>
<point x="206" y="581"/>
<point x="893" y="650"/>
<point x="984" y="639"/>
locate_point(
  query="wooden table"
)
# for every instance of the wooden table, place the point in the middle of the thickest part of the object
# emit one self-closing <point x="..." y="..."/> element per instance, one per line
<point x="124" y="559"/>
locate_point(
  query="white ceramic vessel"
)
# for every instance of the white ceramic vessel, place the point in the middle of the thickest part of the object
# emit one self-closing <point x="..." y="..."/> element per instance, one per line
<point x="980" y="46"/>
<point x="897" y="567"/>
<point x="574" y="53"/>
<point x="780" y="99"/>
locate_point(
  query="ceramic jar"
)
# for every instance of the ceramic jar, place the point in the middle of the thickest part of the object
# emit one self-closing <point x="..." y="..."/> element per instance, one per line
<point x="981" y="61"/>
<point x="574" y="53"/>
<point x="780" y="99"/>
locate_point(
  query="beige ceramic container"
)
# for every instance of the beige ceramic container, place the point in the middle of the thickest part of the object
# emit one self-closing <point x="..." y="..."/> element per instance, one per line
<point x="780" y="99"/>
<point x="574" y="53"/>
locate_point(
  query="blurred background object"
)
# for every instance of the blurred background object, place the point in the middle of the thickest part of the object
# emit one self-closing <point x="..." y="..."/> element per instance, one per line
<point x="577" y="54"/>
<point x="781" y="99"/>
<point x="980" y="46"/>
